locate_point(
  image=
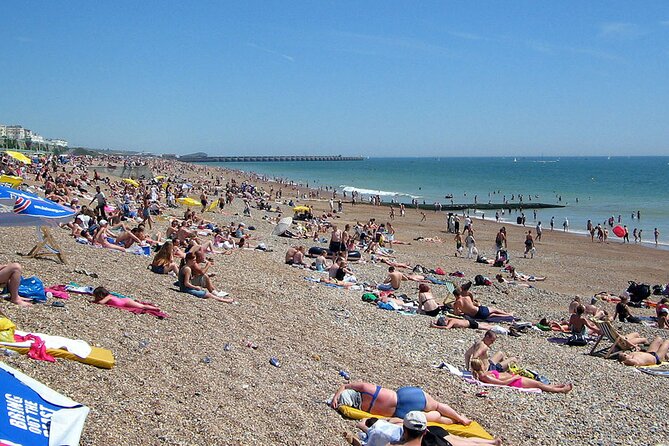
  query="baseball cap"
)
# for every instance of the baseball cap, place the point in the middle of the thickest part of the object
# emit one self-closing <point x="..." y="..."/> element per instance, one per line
<point x="415" y="420"/>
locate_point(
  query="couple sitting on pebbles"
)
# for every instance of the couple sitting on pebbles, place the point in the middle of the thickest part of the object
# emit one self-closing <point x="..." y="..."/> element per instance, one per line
<point x="494" y="370"/>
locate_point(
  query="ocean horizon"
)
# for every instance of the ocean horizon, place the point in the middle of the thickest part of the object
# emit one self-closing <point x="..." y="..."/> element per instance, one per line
<point x="590" y="188"/>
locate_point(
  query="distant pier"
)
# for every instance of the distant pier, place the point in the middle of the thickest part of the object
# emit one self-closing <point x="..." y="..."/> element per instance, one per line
<point x="201" y="158"/>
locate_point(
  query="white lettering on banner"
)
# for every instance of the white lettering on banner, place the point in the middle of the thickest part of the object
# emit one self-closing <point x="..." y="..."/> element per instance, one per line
<point x="28" y="415"/>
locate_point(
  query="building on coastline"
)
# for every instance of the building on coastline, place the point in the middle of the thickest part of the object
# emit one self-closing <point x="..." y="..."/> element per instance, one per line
<point x="19" y="133"/>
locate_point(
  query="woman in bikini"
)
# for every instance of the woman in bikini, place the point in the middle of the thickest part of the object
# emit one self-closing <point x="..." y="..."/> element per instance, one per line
<point x="390" y="403"/>
<point x="426" y="301"/>
<point x="513" y="380"/>
<point x="163" y="262"/>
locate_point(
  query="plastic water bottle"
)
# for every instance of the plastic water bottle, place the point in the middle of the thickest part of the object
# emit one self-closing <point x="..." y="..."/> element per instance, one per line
<point x="344" y="374"/>
<point x="275" y="362"/>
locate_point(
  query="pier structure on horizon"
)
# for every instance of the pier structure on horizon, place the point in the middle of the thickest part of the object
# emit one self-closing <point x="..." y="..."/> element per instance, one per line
<point x="204" y="158"/>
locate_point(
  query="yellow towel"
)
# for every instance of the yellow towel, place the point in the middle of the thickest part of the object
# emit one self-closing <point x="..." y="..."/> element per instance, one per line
<point x="472" y="430"/>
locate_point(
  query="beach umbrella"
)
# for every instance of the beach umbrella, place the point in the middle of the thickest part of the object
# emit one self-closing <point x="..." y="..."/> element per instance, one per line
<point x="131" y="182"/>
<point x="188" y="201"/>
<point x="10" y="180"/>
<point x="18" y="156"/>
<point x="19" y="208"/>
<point x="301" y="209"/>
<point x="35" y="415"/>
<point x="283" y="224"/>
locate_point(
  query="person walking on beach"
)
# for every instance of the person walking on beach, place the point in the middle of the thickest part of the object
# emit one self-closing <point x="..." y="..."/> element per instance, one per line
<point x="500" y="239"/>
<point x="423" y="216"/>
<point x="470" y="243"/>
<point x="529" y="245"/>
<point x="565" y="225"/>
<point x="458" y="244"/>
<point x="102" y="202"/>
<point x="392" y="213"/>
<point x="640" y="231"/>
<point x="656" y="234"/>
<point x="636" y="237"/>
<point x="626" y="236"/>
<point x="540" y="231"/>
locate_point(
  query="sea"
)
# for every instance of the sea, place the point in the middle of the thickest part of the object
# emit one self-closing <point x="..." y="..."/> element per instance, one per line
<point x="594" y="188"/>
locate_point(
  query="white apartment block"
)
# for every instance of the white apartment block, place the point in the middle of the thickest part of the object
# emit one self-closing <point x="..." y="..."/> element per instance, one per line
<point x="18" y="132"/>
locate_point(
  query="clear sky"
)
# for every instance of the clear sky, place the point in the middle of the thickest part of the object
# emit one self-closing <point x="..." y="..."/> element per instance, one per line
<point x="379" y="78"/>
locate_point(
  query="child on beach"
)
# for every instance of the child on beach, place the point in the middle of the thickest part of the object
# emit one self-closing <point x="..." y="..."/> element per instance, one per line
<point x="102" y="296"/>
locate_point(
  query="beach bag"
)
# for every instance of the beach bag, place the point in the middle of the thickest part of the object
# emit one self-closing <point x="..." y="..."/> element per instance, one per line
<point x="479" y="280"/>
<point x="369" y="297"/>
<point x="32" y="288"/>
<point x="577" y="340"/>
<point x="638" y="291"/>
<point x="6" y="330"/>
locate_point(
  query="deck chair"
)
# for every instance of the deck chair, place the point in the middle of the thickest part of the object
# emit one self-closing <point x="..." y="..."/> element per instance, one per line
<point x="609" y="332"/>
<point x="47" y="247"/>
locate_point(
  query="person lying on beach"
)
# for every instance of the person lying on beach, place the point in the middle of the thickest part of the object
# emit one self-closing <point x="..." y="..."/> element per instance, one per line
<point x="392" y="281"/>
<point x="384" y="402"/>
<point x="501" y="279"/>
<point x="426" y="301"/>
<point x="389" y="262"/>
<point x="429" y="239"/>
<point x="481" y="350"/>
<point x="654" y="355"/>
<point x="464" y="304"/>
<point x="513" y="380"/>
<point x="10" y="279"/>
<point x="104" y="297"/>
<point x="383" y="431"/>
<point x="524" y="277"/>
<point x="163" y="262"/>
<point x="102" y="236"/>
<point x="193" y="282"/>
<point x="446" y="323"/>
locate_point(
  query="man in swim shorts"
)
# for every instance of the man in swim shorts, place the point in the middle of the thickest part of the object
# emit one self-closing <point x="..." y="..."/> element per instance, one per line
<point x="481" y="350"/>
<point x="393" y="281"/>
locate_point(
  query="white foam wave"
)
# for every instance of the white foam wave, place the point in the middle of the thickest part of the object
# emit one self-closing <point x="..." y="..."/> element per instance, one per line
<point x="382" y="193"/>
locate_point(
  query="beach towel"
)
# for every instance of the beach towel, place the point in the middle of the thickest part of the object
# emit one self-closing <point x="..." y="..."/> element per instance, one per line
<point x="497" y="319"/>
<point x="467" y="377"/>
<point x="157" y="313"/>
<point x="656" y="370"/>
<point x="58" y="291"/>
<point x="473" y="429"/>
<point x="37" y="347"/>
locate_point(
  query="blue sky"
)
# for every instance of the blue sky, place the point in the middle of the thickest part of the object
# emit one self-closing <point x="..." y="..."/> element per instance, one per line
<point x="333" y="77"/>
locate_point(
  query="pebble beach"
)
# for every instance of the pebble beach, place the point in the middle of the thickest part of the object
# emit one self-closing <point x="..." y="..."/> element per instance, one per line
<point x="174" y="383"/>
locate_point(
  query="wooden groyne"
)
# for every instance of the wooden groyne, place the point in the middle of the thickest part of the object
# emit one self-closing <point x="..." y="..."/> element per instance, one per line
<point x="264" y="159"/>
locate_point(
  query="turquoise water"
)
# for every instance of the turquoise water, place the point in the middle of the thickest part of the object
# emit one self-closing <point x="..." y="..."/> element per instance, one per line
<point x="604" y="186"/>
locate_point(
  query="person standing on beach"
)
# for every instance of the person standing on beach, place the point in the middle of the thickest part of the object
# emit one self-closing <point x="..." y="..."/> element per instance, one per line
<point x="423" y="216"/>
<point x="640" y="231"/>
<point x="392" y="213"/>
<point x="470" y="243"/>
<point x="458" y="244"/>
<point x="552" y="223"/>
<point x="565" y="225"/>
<point x="102" y="202"/>
<point x="529" y="245"/>
<point x="656" y="234"/>
<point x="540" y="231"/>
<point x="636" y="237"/>
<point x="626" y="236"/>
<point x="500" y="239"/>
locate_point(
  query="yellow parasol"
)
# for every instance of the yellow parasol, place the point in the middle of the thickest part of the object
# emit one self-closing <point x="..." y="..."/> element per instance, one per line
<point x="11" y="180"/>
<point x="187" y="201"/>
<point x="301" y="209"/>
<point x="131" y="182"/>
<point x="19" y="156"/>
<point x="160" y="177"/>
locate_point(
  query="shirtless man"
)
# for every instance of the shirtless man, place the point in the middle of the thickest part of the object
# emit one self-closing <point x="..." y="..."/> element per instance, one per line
<point x="290" y="255"/>
<point x="393" y="281"/>
<point x="481" y="351"/>
<point x="656" y="353"/>
<point x="464" y="305"/>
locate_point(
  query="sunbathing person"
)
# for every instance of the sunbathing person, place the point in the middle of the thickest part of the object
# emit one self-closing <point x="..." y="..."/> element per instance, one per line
<point x="290" y="255"/>
<point x="464" y="305"/>
<point x="393" y="281"/>
<point x="426" y="301"/>
<point x="104" y="297"/>
<point x="501" y="279"/>
<point x="513" y="380"/>
<point x="445" y="322"/>
<point x="103" y="234"/>
<point x="655" y="355"/>
<point x="524" y="277"/>
<point x="10" y="278"/>
<point x="389" y="403"/>
<point x="198" y="285"/>
<point x="481" y="350"/>
<point x="298" y="257"/>
<point x="163" y="262"/>
<point x="663" y="317"/>
<point x="127" y="238"/>
<point x="579" y="325"/>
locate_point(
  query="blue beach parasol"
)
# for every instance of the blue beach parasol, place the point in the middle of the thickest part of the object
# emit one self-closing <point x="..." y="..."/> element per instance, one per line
<point x="34" y="415"/>
<point x="19" y="208"/>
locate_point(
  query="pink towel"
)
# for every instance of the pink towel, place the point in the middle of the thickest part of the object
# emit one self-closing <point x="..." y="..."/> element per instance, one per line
<point x="58" y="291"/>
<point x="37" y="348"/>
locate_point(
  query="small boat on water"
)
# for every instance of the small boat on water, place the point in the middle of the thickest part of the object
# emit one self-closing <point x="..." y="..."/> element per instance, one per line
<point x="515" y="160"/>
<point x="449" y="196"/>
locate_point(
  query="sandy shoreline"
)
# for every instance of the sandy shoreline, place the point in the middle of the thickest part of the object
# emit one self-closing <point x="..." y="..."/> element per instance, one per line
<point x="165" y="393"/>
